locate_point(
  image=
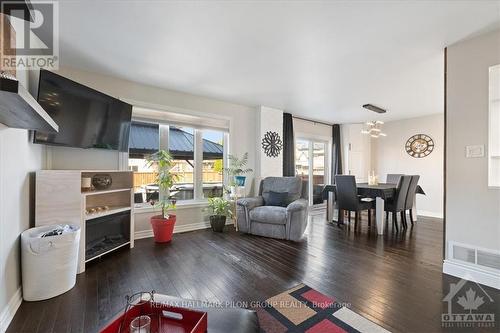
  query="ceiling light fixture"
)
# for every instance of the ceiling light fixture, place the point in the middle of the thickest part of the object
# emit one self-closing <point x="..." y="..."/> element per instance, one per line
<point x="374" y="108"/>
<point x="373" y="128"/>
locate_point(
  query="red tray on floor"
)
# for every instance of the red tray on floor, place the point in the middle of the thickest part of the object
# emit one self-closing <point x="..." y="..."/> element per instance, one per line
<point x="189" y="321"/>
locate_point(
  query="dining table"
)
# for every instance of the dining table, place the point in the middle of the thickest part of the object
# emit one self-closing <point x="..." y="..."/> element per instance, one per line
<point x="380" y="192"/>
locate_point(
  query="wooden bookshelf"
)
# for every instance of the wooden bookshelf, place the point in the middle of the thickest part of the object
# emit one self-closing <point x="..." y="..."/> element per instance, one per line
<point x="60" y="200"/>
<point x="112" y="210"/>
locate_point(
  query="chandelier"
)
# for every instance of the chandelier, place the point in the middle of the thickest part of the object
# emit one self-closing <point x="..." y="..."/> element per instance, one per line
<point x="374" y="129"/>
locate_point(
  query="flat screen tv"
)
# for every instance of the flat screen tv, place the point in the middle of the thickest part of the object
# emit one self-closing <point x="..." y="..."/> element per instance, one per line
<point x="87" y="118"/>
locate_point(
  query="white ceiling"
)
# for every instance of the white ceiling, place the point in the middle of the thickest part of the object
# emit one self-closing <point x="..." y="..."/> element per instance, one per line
<point x="320" y="60"/>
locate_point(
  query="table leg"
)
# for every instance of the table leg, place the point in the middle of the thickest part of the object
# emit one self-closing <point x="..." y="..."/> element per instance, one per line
<point x="379" y="215"/>
<point x="414" y="209"/>
<point x="330" y="208"/>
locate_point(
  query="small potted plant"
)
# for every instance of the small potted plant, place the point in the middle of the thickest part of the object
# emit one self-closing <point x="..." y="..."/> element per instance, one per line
<point x="236" y="171"/>
<point x="163" y="225"/>
<point x="220" y="209"/>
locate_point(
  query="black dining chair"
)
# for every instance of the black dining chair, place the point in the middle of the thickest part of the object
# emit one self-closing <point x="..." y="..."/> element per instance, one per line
<point x="397" y="204"/>
<point x="393" y="178"/>
<point x="412" y="190"/>
<point x="348" y="199"/>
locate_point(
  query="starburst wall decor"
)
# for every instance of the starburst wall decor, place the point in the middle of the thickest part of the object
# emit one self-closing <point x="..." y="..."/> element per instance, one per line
<point x="272" y="144"/>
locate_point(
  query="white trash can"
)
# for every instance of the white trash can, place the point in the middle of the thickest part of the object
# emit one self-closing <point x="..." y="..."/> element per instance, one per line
<point x="49" y="262"/>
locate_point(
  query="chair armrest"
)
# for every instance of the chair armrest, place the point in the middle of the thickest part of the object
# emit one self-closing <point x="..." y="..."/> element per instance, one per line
<point x="251" y="202"/>
<point x="297" y="205"/>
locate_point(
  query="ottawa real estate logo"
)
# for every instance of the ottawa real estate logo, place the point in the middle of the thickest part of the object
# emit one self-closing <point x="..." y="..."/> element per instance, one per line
<point x="468" y="306"/>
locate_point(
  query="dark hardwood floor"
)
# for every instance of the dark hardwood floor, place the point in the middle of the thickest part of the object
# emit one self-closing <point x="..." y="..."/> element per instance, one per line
<point x="395" y="280"/>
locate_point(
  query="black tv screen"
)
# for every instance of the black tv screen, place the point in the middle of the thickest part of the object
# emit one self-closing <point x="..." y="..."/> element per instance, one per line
<point x="87" y="118"/>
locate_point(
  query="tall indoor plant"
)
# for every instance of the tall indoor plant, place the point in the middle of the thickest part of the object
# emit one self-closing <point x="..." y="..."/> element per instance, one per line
<point x="220" y="209"/>
<point x="163" y="225"/>
<point x="236" y="171"/>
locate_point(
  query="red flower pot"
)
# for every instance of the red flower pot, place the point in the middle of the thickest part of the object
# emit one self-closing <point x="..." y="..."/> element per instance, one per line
<point x="163" y="228"/>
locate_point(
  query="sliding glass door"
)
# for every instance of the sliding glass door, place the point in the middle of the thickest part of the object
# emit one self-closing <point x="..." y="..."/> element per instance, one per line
<point x="311" y="158"/>
<point x="318" y="174"/>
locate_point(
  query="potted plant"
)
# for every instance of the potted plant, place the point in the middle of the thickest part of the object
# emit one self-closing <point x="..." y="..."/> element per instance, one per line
<point x="220" y="209"/>
<point x="163" y="225"/>
<point x="236" y="170"/>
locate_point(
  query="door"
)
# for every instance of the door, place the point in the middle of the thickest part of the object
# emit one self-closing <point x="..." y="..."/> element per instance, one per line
<point x="311" y="165"/>
<point x="318" y="174"/>
<point x="302" y="162"/>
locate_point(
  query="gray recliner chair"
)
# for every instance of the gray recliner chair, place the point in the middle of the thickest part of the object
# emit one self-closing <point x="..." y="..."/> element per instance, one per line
<point x="289" y="222"/>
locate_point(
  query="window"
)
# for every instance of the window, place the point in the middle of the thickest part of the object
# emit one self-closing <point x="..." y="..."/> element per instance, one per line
<point x="213" y="161"/>
<point x="197" y="178"/>
<point x="302" y="159"/>
<point x="143" y="141"/>
<point x="310" y="162"/>
<point x="319" y="157"/>
<point x="181" y="141"/>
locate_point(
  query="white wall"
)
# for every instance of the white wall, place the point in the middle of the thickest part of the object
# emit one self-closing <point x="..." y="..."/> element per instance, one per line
<point x="269" y="120"/>
<point x="389" y="156"/>
<point x="356" y="152"/>
<point x="472" y="209"/>
<point x="18" y="157"/>
<point x="242" y="119"/>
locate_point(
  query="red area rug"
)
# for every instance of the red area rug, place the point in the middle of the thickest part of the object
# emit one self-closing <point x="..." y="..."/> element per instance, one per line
<point x="303" y="309"/>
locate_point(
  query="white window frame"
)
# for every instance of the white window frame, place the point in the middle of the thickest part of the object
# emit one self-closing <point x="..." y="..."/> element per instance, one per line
<point x="164" y="128"/>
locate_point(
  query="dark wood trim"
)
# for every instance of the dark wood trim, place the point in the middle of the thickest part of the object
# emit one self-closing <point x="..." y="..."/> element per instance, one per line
<point x="444" y="150"/>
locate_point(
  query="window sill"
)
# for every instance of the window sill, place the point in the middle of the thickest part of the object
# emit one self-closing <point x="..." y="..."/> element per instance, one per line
<point x="186" y="204"/>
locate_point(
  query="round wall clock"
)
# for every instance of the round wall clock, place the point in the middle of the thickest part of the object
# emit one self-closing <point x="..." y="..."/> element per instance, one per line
<point x="419" y="145"/>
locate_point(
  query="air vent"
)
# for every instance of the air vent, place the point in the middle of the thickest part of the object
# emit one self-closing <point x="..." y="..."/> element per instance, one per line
<point x="464" y="254"/>
<point x="488" y="259"/>
<point x="481" y="257"/>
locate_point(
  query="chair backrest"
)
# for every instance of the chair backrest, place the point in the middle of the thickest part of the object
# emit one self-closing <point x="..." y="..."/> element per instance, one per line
<point x="401" y="193"/>
<point x="412" y="189"/>
<point x="393" y="178"/>
<point x="346" y="192"/>
<point x="292" y="185"/>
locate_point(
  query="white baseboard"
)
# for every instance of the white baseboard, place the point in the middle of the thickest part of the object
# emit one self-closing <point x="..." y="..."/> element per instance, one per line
<point x="178" y="229"/>
<point x="429" y="214"/>
<point x="10" y="310"/>
<point x="143" y="234"/>
<point x="469" y="271"/>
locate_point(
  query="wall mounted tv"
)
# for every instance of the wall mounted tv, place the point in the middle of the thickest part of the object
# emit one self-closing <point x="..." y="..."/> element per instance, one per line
<point x="87" y="118"/>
